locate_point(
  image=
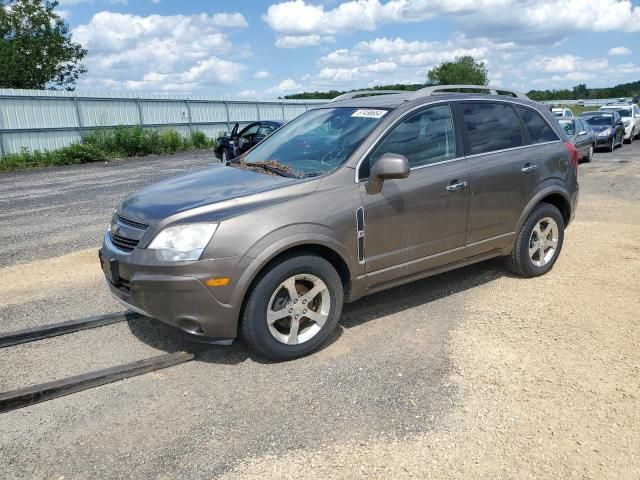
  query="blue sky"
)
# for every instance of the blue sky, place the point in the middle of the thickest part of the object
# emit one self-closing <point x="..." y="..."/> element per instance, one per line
<point x="254" y="48"/>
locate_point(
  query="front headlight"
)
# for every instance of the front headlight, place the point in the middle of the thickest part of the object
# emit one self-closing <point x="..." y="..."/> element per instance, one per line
<point x="183" y="242"/>
<point x="605" y="132"/>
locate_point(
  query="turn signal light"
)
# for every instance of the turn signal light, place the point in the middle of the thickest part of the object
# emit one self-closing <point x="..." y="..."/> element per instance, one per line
<point x="218" y="282"/>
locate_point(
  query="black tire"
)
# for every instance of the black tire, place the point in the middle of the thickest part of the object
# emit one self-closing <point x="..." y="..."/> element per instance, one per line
<point x="224" y="155"/>
<point x="519" y="261"/>
<point x="612" y="145"/>
<point x="254" y="329"/>
<point x="589" y="156"/>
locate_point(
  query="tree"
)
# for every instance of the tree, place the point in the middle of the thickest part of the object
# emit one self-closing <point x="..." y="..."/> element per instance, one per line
<point x="463" y="71"/>
<point x="580" y="91"/>
<point x="36" y="50"/>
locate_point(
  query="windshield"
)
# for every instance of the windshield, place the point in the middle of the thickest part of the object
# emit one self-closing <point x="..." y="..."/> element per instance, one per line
<point x="605" y="119"/>
<point x="568" y="126"/>
<point x="317" y="141"/>
<point x="624" y="112"/>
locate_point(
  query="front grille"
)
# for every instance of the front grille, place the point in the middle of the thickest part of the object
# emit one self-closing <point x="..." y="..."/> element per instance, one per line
<point x="126" y="244"/>
<point x="132" y="223"/>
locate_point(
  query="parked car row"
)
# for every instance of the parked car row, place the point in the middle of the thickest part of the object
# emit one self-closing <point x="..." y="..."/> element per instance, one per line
<point x="607" y="128"/>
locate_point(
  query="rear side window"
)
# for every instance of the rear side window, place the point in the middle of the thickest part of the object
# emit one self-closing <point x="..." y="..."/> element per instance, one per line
<point x="538" y="129"/>
<point x="491" y="127"/>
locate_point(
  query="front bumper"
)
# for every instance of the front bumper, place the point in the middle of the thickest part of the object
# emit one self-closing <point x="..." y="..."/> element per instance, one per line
<point x="175" y="294"/>
<point x="603" y="141"/>
<point x="627" y="132"/>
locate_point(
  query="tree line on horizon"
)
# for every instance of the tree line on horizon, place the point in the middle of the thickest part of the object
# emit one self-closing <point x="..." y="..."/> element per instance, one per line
<point x="579" y="92"/>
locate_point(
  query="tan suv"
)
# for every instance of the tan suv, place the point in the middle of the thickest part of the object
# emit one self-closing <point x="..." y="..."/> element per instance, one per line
<point x="361" y="194"/>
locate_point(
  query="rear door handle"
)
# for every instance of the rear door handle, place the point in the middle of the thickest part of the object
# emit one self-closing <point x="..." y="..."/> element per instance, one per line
<point x="456" y="187"/>
<point x="529" y="168"/>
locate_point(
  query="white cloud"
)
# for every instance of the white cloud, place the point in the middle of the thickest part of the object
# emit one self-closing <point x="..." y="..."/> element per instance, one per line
<point x="261" y="74"/>
<point x="342" y="56"/>
<point x="566" y="64"/>
<point x="288" y="85"/>
<point x="574" y="77"/>
<point x="159" y="53"/>
<point x="532" y="21"/>
<point x="248" y="94"/>
<point x="385" y="60"/>
<point x="296" y="41"/>
<point x="619" y="51"/>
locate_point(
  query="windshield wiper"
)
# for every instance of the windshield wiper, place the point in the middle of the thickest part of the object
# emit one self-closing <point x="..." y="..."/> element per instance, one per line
<point x="274" y="167"/>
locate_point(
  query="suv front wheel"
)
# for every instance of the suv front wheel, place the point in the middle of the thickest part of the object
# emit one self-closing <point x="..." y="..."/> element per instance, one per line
<point x="538" y="243"/>
<point x="293" y="307"/>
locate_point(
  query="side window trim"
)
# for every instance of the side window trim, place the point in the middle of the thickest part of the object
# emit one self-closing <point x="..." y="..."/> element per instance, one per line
<point x="525" y="130"/>
<point x="459" y="151"/>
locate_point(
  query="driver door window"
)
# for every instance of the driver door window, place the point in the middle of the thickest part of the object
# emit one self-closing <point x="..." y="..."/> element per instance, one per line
<point x="265" y="130"/>
<point x="250" y="131"/>
<point x="425" y="138"/>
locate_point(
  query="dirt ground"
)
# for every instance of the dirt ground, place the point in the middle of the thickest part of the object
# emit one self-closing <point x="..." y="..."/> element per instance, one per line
<point x="547" y="370"/>
<point x="470" y="374"/>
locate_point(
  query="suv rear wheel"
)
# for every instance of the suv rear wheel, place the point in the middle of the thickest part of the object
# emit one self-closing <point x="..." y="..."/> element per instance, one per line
<point x="293" y="307"/>
<point x="539" y="242"/>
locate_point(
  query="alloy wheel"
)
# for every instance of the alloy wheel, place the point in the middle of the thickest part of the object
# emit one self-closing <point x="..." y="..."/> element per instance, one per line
<point x="543" y="242"/>
<point x="298" y="309"/>
<point x="590" y="157"/>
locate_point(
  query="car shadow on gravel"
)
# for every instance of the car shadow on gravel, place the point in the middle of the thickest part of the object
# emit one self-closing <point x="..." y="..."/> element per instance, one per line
<point x="421" y="292"/>
<point x="373" y="307"/>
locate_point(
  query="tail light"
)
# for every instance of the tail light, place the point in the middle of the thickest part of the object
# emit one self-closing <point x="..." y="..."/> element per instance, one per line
<point x="573" y="152"/>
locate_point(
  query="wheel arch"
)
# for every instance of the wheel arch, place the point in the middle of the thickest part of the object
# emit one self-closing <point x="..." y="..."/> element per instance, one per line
<point x="319" y="248"/>
<point x="553" y="195"/>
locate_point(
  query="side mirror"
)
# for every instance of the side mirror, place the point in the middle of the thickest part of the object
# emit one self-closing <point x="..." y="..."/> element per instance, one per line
<point x="389" y="166"/>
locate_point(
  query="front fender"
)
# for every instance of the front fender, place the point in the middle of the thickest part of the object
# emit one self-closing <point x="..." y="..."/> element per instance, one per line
<point x="287" y="238"/>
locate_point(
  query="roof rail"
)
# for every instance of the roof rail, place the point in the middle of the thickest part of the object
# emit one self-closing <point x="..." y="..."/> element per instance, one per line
<point x="436" y="90"/>
<point x="365" y="93"/>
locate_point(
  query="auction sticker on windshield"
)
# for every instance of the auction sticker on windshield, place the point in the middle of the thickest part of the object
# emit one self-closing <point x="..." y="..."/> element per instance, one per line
<point x="367" y="113"/>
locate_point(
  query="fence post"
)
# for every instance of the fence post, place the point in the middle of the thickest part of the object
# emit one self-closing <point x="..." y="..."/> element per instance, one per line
<point x="140" y="117"/>
<point x="306" y="107"/>
<point x="226" y="107"/>
<point x="258" y="110"/>
<point x="189" y="117"/>
<point x="78" y="118"/>
<point x="2" y="151"/>
<point x="284" y="117"/>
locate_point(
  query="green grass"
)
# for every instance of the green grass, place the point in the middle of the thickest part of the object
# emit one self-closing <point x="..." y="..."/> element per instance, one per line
<point x="102" y="145"/>
<point x="577" y="110"/>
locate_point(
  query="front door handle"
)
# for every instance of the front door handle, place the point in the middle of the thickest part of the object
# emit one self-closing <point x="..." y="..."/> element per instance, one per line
<point x="529" y="168"/>
<point x="456" y="187"/>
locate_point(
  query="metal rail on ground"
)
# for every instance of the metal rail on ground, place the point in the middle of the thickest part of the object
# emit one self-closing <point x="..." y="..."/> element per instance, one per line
<point x="47" y="391"/>
<point x="47" y="331"/>
<point x="24" y="397"/>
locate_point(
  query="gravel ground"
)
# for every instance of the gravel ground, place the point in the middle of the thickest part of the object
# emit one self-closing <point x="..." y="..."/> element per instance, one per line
<point x="51" y="211"/>
<point x="469" y="374"/>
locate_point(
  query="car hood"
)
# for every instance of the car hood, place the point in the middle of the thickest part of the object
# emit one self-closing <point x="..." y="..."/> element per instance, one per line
<point x="197" y="189"/>
<point x="599" y="128"/>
